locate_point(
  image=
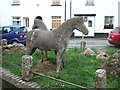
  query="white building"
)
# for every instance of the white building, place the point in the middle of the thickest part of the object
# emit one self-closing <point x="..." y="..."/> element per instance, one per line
<point x="100" y="16"/>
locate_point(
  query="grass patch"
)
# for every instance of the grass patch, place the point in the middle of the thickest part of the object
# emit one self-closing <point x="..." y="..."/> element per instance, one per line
<point x="111" y="51"/>
<point x="79" y="69"/>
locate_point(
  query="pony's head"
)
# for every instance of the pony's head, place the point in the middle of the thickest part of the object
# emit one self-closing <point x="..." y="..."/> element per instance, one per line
<point x="38" y="23"/>
<point x="38" y="17"/>
<point x="80" y="26"/>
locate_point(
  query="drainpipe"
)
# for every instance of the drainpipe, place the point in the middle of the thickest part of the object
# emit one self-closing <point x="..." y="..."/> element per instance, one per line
<point x="70" y="8"/>
<point x="119" y="13"/>
<point x="65" y="10"/>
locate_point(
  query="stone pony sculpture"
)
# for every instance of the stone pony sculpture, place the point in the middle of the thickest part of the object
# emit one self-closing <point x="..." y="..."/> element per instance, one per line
<point x="39" y="24"/>
<point x="56" y="40"/>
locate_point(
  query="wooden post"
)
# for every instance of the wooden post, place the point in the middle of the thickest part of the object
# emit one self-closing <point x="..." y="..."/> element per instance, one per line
<point x="100" y="82"/>
<point x="26" y="67"/>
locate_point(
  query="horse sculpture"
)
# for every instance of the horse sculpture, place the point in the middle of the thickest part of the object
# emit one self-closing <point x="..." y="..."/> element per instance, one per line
<point x="39" y="24"/>
<point x="56" y="40"/>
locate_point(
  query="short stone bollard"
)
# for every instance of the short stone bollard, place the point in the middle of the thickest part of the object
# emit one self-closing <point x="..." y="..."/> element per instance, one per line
<point x="100" y="81"/>
<point x="3" y="42"/>
<point x="26" y="67"/>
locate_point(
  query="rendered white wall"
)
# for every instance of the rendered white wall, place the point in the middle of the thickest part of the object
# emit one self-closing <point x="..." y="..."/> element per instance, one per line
<point x="29" y="8"/>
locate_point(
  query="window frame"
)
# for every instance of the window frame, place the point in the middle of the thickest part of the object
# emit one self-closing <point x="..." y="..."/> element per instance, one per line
<point x="56" y="22"/>
<point x="26" y="21"/>
<point x="108" y="22"/>
<point x="56" y="3"/>
<point x="16" y="20"/>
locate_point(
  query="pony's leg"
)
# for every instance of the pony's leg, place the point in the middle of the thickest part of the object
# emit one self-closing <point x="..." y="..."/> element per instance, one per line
<point x="59" y="62"/>
<point x="55" y="52"/>
<point x="62" y="58"/>
<point x="42" y="56"/>
<point x="60" y="55"/>
<point x="46" y="55"/>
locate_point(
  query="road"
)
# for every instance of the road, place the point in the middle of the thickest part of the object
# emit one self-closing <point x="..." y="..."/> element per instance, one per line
<point x="97" y="43"/>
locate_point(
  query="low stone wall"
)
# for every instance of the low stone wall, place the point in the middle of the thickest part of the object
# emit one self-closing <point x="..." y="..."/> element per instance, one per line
<point x="16" y="82"/>
<point x="12" y="48"/>
<point x="112" y="65"/>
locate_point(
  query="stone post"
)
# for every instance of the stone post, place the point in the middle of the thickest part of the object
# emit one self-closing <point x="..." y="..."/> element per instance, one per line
<point x="26" y="67"/>
<point x="100" y="81"/>
<point x="3" y="42"/>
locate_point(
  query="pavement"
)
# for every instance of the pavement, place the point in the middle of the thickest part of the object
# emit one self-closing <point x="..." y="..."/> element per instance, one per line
<point x="97" y="43"/>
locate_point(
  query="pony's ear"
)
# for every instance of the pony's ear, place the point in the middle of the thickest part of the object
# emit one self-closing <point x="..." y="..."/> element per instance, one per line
<point x="80" y="17"/>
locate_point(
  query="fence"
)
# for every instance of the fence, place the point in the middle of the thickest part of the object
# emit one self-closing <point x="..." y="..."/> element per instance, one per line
<point x="100" y="81"/>
<point x="27" y="63"/>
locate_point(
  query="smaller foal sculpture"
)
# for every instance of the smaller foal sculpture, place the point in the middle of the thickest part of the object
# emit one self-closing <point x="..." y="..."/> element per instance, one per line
<point x="56" y="40"/>
<point x="39" y="24"/>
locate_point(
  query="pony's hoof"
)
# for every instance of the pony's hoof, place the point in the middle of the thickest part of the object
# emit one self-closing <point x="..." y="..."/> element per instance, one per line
<point x="40" y="61"/>
<point x="57" y="70"/>
<point x="47" y="59"/>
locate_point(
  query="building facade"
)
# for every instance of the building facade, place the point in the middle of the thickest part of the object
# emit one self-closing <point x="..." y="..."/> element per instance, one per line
<point x="100" y="16"/>
<point x="119" y="13"/>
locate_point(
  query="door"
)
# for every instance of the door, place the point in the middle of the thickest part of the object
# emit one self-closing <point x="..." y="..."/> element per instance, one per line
<point x="90" y="24"/>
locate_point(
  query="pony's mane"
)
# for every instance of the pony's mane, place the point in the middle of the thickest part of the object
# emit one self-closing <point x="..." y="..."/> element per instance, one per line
<point x="72" y="21"/>
<point x="65" y="29"/>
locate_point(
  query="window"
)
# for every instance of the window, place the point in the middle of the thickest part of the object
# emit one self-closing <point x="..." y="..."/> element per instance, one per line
<point x="22" y="30"/>
<point x="89" y="23"/>
<point x="108" y="22"/>
<point x="26" y="21"/>
<point x="56" y="2"/>
<point x="56" y="21"/>
<point x="5" y="30"/>
<point x="85" y="18"/>
<point x="16" y="1"/>
<point x="16" y="21"/>
<point x="89" y="3"/>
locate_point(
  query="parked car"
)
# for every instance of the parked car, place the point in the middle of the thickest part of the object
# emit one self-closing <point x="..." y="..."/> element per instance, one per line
<point x="14" y="34"/>
<point x="114" y="37"/>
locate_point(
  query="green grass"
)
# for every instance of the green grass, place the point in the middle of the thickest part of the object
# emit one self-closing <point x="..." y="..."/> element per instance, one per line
<point x="79" y="69"/>
<point x="111" y="51"/>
